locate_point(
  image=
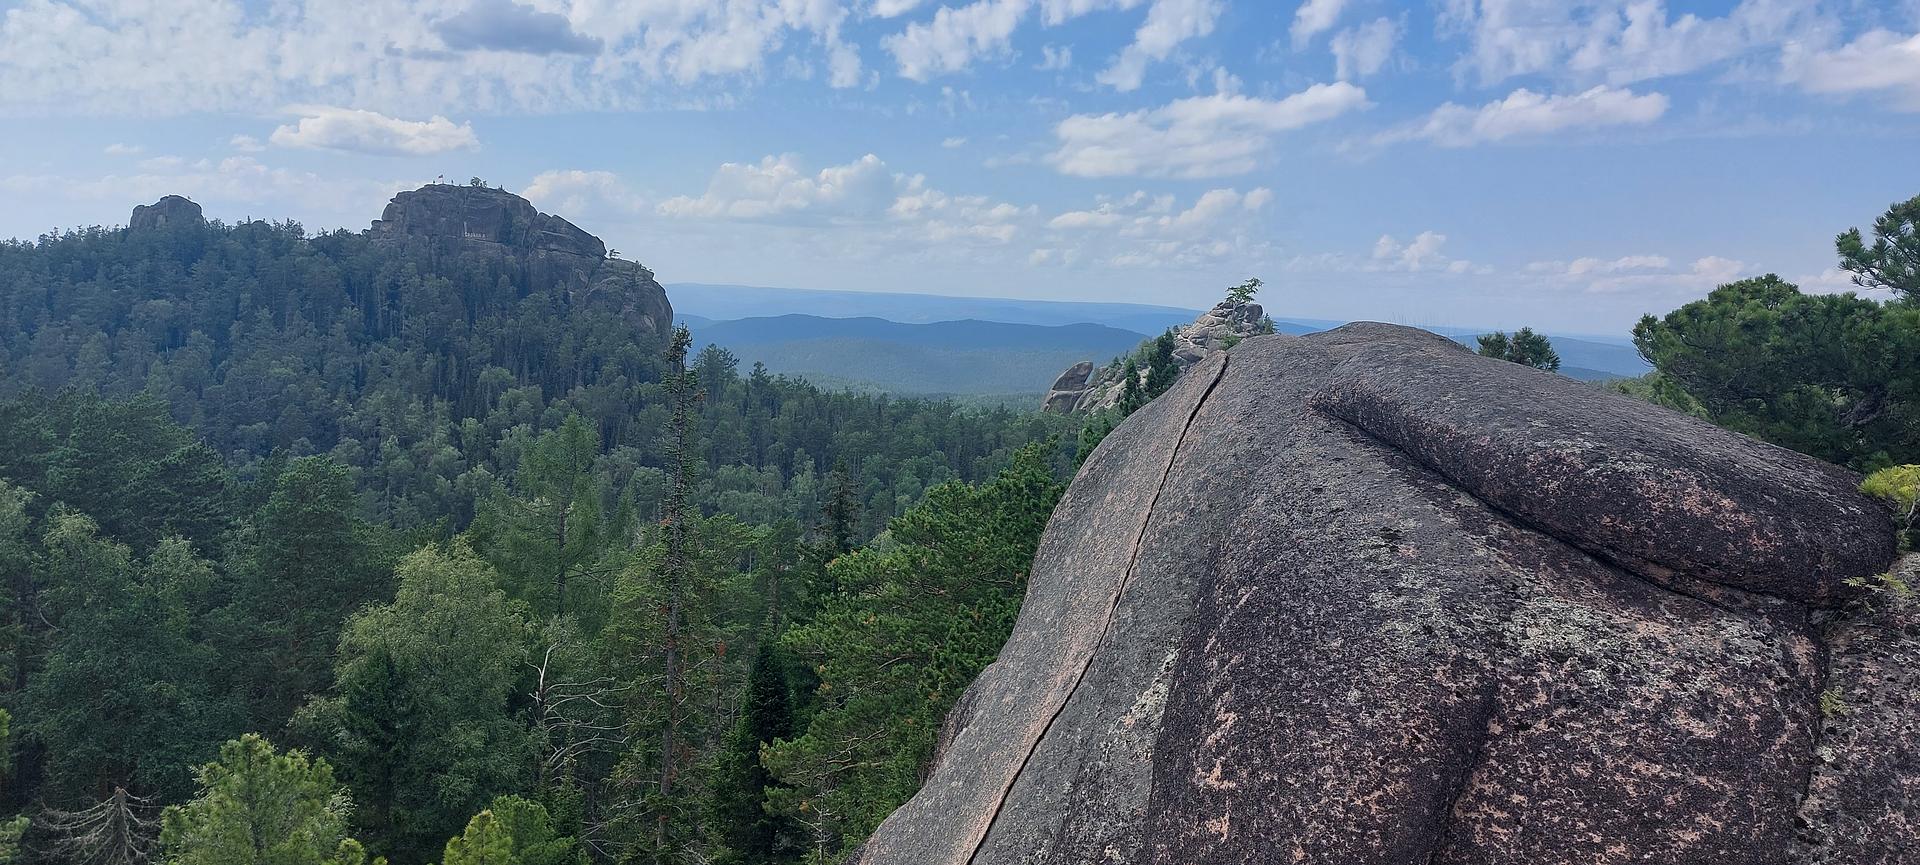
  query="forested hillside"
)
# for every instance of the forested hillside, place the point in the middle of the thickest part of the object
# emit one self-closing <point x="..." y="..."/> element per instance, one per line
<point x="440" y="529"/>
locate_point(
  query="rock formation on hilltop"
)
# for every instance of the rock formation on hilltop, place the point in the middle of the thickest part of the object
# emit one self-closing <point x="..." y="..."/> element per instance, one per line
<point x="1366" y="598"/>
<point x="169" y="210"/>
<point x="1084" y="389"/>
<point x="480" y="221"/>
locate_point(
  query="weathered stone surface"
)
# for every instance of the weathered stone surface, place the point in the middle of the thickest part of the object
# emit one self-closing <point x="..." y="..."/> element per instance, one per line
<point x="1657" y="489"/>
<point x="1100" y="389"/>
<point x="1068" y="388"/>
<point x="552" y="253"/>
<point x="1296" y="611"/>
<point x="170" y="210"/>
<point x="479" y="214"/>
<point x="1860" y="805"/>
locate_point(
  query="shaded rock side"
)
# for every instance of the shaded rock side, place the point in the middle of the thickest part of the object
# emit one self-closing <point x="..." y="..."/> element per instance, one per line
<point x="458" y="222"/>
<point x="1101" y="388"/>
<point x="1294" y="611"/>
<point x="170" y="210"/>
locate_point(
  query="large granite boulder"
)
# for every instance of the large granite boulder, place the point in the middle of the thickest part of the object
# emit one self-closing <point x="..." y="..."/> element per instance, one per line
<point x="1366" y="598"/>
<point x="170" y="210"/>
<point x="547" y="253"/>
<point x="1068" y="388"/>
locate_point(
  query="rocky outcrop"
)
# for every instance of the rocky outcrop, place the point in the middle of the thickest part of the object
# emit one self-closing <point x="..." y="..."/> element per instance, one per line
<point x="1216" y="329"/>
<point x="550" y="253"/>
<point x="170" y="210"/>
<point x="1366" y="598"/>
<point x="1068" y="388"/>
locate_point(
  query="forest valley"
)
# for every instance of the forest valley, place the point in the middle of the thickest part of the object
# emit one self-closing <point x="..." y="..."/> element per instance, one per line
<point x="318" y="550"/>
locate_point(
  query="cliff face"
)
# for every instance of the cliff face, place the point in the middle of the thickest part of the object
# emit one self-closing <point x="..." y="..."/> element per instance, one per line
<point x="1083" y="388"/>
<point x="1364" y="597"/>
<point x="552" y="253"/>
<point x="170" y="210"/>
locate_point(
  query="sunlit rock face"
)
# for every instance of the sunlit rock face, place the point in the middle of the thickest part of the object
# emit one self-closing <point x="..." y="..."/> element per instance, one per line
<point x="1366" y="597"/>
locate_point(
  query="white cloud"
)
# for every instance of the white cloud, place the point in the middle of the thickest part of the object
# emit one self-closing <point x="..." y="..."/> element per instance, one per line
<point x="1618" y="41"/>
<point x="892" y="8"/>
<point x="118" y="149"/>
<point x="778" y="186"/>
<point x="1313" y="18"/>
<point x="954" y="143"/>
<point x="1423" y="253"/>
<point x="1525" y="113"/>
<point x="1592" y="266"/>
<point x="1169" y="23"/>
<point x="1361" y="51"/>
<point x="1152" y="231"/>
<point x="246" y="144"/>
<point x="1877" y="61"/>
<point x="1202" y="136"/>
<point x="162" y="57"/>
<point x="1642" y="274"/>
<point x="577" y="191"/>
<point x="1055" y="59"/>
<point x="360" y="131"/>
<point x="955" y="37"/>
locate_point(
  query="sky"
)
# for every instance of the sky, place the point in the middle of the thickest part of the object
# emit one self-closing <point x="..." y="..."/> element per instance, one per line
<point x="1564" y="164"/>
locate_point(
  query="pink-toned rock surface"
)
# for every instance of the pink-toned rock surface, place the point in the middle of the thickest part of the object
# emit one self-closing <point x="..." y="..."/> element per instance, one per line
<point x="1364" y="597"/>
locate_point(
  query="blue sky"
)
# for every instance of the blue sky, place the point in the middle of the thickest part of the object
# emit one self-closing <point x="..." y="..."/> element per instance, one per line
<point x="1566" y="164"/>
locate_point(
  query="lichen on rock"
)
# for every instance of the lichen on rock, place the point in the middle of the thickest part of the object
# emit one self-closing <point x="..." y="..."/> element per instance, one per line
<point x="1364" y="597"/>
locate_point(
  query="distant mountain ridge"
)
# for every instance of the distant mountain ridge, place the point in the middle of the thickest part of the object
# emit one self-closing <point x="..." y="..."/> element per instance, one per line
<point x="957" y="358"/>
<point x="728" y="302"/>
<point x="925" y="344"/>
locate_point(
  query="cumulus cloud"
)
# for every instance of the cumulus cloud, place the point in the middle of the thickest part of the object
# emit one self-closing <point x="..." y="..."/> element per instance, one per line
<point x="1313" y="18"/>
<point x="1154" y="232"/>
<point x="1203" y="136"/>
<point x="1525" y="113"/>
<point x="1879" y="61"/>
<point x="1361" y="51"/>
<point x="1055" y="59"/>
<point x="117" y="149"/>
<point x="328" y="128"/>
<point x="955" y="37"/>
<point x="503" y="25"/>
<point x="1169" y="23"/>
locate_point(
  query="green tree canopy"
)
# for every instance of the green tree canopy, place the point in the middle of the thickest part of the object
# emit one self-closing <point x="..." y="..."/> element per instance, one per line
<point x="1836" y="375"/>
<point x="915" y="620"/>
<point x="261" y="807"/>
<point x="1892" y="260"/>
<point x="421" y="718"/>
<point x="1524" y="347"/>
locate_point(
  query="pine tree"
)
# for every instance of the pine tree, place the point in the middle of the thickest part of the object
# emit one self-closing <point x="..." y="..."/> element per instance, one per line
<point x="486" y="841"/>
<point x="748" y="833"/>
<point x="259" y="806"/>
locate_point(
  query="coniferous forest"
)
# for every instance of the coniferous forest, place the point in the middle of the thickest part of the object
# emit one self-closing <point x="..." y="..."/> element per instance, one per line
<point x="382" y="553"/>
<point x="326" y="550"/>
